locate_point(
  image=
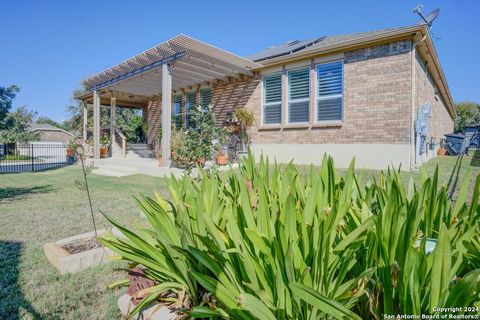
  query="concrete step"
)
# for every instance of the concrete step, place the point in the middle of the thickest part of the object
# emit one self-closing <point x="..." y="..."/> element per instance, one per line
<point x="139" y="150"/>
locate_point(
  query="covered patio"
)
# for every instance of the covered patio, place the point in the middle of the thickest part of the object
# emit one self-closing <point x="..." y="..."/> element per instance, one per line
<point x="176" y="66"/>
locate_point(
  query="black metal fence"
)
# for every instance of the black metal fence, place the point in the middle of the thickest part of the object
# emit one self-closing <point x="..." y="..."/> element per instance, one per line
<point x="34" y="156"/>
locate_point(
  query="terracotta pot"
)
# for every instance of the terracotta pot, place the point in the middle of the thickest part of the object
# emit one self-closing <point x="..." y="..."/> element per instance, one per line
<point x="103" y="152"/>
<point x="200" y="161"/>
<point x="222" y="159"/>
<point x="441" y="151"/>
<point x="69" y="152"/>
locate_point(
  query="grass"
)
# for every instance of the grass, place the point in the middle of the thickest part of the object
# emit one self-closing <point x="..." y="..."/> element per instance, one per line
<point x="39" y="207"/>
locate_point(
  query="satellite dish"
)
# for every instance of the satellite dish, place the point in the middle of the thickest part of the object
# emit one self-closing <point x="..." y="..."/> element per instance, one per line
<point x="428" y="20"/>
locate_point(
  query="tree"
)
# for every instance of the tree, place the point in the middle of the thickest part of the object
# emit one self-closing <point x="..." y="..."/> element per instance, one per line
<point x="6" y="98"/>
<point x="17" y="125"/>
<point x="127" y="120"/>
<point x="468" y="113"/>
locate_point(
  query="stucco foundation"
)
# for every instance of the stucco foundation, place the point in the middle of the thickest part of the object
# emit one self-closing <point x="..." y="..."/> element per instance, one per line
<point x="368" y="156"/>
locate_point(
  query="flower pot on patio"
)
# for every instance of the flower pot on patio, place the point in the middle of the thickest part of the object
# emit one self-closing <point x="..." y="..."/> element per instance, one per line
<point x="200" y="161"/>
<point x="103" y="152"/>
<point x="222" y="159"/>
<point x="77" y="253"/>
<point x="441" y="151"/>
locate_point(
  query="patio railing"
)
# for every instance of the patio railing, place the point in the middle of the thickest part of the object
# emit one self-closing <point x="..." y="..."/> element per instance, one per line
<point x="121" y="141"/>
<point x="33" y="156"/>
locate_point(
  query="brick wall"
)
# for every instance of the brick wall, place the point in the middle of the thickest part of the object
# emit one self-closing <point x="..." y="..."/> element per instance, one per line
<point x="226" y="99"/>
<point x="154" y="116"/>
<point x="440" y="122"/>
<point x="377" y="101"/>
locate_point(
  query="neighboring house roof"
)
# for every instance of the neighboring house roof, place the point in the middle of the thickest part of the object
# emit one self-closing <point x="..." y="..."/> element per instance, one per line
<point x="35" y="127"/>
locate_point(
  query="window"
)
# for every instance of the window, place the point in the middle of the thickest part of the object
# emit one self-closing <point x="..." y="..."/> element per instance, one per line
<point x="191" y="101"/>
<point x="272" y="99"/>
<point x="299" y="96"/>
<point x="330" y="91"/>
<point x="177" y="111"/>
<point x="205" y="98"/>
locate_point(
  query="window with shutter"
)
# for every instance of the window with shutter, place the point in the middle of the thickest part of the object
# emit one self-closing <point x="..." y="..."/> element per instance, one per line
<point x="299" y="96"/>
<point x="330" y="91"/>
<point x="272" y="99"/>
<point x="205" y="97"/>
<point x="191" y="100"/>
<point x="177" y="111"/>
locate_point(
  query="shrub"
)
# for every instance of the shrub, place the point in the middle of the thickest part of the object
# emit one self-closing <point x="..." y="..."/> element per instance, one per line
<point x="201" y="141"/>
<point x="266" y="242"/>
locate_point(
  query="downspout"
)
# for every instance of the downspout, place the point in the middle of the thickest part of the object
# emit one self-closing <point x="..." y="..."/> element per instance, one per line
<point x="413" y="156"/>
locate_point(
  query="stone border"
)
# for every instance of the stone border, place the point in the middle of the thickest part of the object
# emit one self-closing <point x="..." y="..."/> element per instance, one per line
<point x="73" y="263"/>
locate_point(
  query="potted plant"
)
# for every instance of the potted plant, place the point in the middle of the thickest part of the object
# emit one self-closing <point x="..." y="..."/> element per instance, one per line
<point x="222" y="157"/>
<point x="71" y="146"/>
<point x="105" y="143"/>
<point x="176" y="141"/>
<point x="246" y="119"/>
<point x="441" y="151"/>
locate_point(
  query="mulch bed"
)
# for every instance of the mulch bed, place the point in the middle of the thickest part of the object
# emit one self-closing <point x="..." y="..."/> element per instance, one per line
<point x="81" y="245"/>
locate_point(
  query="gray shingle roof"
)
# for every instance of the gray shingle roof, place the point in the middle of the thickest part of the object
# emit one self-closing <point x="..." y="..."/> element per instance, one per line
<point x="317" y="43"/>
<point x="46" y="126"/>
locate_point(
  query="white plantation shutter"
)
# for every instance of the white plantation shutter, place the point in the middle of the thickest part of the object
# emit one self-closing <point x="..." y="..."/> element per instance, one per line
<point x="272" y="99"/>
<point x="330" y="91"/>
<point x="177" y="111"/>
<point x="298" y="95"/>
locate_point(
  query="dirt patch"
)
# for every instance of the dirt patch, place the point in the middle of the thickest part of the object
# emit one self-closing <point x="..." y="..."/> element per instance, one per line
<point x="81" y="245"/>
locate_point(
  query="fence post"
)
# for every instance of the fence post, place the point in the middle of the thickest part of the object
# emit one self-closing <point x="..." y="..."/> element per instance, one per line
<point x="31" y="156"/>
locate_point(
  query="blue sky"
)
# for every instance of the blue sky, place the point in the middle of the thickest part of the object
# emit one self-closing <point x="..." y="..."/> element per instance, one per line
<point x="47" y="47"/>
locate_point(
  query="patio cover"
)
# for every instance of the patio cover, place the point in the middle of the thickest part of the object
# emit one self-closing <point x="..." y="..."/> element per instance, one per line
<point x="178" y="63"/>
<point x="192" y="62"/>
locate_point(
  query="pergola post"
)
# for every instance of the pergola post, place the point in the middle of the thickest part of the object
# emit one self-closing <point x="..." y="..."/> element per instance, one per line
<point x="113" y="111"/>
<point x="166" y="113"/>
<point x="85" y="121"/>
<point x="96" y="125"/>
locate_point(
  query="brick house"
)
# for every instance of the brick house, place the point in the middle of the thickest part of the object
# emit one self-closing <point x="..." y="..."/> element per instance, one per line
<point x="379" y="96"/>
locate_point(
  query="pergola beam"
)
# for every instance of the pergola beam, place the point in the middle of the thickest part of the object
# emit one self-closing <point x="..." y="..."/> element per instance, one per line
<point x="139" y="71"/>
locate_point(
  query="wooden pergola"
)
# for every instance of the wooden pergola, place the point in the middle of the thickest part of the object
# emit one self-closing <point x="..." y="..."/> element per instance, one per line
<point x="174" y="65"/>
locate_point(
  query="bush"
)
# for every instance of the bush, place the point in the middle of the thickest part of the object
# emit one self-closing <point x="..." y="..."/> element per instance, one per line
<point x="200" y="142"/>
<point x="266" y="242"/>
<point x="17" y="157"/>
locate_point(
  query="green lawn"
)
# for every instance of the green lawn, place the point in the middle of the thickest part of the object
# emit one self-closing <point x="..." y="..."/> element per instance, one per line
<point x="36" y="208"/>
